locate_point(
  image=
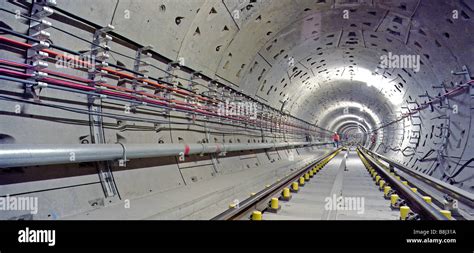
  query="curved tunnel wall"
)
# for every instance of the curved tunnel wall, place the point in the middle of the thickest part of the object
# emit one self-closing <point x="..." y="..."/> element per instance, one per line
<point x="315" y="60"/>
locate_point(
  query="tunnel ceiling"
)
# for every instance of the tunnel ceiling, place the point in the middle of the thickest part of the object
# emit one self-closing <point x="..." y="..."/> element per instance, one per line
<point x="333" y="55"/>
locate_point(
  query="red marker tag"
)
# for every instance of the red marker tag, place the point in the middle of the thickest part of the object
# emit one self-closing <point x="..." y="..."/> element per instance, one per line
<point x="186" y="149"/>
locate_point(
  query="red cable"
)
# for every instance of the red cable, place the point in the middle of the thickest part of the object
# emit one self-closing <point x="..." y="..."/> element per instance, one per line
<point x="89" y="88"/>
<point x="88" y="81"/>
<point x="109" y="70"/>
<point x="76" y="78"/>
<point x="82" y="87"/>
<point x="67" y="84"/>
<point x="15" y="73"/>
<point x="120" y="74"/>
<point x="14" y="42"/>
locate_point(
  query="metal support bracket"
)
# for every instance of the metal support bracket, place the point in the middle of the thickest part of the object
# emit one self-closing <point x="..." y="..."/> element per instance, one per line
<point x="123" y="161"/>
<point x="99" y="51"/>
<point x="467" y="76"/>
<point x="40" y="9"/>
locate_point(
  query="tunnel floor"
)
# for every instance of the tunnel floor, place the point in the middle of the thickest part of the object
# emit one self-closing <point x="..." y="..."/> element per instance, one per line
<point x="337" y="180"/>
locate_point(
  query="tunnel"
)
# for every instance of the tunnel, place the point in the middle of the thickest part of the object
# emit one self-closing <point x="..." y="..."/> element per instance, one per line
<point x="236" y="110"/>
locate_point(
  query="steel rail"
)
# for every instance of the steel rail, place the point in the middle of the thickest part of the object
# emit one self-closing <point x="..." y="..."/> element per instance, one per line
<point x="415" y="200"/>
<point x="260" y="200"/>
<point x="458" y="194"/>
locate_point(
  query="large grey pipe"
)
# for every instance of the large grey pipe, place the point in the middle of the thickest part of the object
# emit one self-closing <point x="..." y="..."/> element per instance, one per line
<point x="16" y="155"/>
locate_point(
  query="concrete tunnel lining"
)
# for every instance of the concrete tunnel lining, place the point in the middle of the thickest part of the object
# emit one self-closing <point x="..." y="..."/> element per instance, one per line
<point x="303" y="58"/>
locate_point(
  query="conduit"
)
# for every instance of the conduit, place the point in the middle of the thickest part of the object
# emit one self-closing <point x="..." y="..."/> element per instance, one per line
<point x="454" y="92"/>
<point x="18" y="155"/>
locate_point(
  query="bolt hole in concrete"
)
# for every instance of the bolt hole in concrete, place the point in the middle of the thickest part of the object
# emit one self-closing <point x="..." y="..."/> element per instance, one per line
<point x="163" y="8"/>
<point x="6" y="139"/>
<point x="178" y="20"/>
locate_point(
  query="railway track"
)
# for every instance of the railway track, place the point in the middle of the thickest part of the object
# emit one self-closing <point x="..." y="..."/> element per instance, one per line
<point x="304" y="194"/>
<point x="426" y="195"/>
<point x="254" y="206"/>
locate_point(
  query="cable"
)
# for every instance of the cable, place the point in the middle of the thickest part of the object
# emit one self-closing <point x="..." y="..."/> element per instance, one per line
<point x="24" y="36"/>
<point x="84" y="111"/>
<point x="117" y="116"/>
<point x="109" y="115"/>
<point x="82" y="87"/>
<point x="424" y="158"/>
<point x="88" y="81"/>
<point x="92" y="43"/>
<point x="386" y="147"/>
<point x="460" y="169"/>
<point x="10" y="63"/>
<point x="53" y="83"/>
<point x="120" y="74"/>
<point x="126" y="40"/>
<point x="425" y="105"/>
<point x="109" y="70"/>
<point x="412" y="154"/>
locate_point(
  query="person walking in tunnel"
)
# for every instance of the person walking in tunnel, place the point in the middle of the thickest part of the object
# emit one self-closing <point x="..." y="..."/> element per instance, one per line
<point x="336" y="139"/>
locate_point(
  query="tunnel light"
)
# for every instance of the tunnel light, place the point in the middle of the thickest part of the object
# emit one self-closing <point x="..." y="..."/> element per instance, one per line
<point x="355" y="119"/>
<point x="372" y="79"/>
<point x="352" y="104"/>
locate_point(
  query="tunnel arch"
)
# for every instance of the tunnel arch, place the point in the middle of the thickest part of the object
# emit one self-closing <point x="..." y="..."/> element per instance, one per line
<point x="310" y="70"/>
